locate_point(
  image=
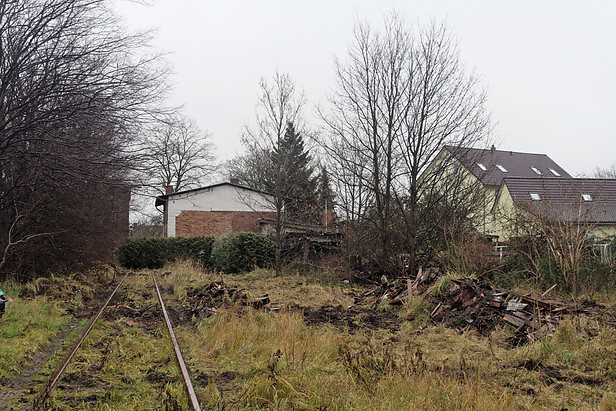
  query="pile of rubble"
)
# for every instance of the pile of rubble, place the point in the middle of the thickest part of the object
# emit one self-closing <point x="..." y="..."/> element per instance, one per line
<point x="396" y="291"/>
<point x="206" y="300"/>
<point x="469" y="303"/>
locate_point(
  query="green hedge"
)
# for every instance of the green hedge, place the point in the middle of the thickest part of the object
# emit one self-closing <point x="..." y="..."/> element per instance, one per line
<point x="239" y="252"/>
<point x="154" y="252"/>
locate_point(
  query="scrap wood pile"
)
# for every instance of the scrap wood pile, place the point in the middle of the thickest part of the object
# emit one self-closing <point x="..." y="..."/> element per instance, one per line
<point x="206" y="300"/>
<point x="396" y="291"/>
<point x="471" y="304"/>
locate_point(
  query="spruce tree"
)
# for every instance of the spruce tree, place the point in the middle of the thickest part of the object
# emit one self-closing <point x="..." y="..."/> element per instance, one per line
<point x="301" y="186"/>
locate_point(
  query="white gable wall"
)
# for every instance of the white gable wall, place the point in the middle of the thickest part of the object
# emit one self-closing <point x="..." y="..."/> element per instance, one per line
<point x="219" y="198"/>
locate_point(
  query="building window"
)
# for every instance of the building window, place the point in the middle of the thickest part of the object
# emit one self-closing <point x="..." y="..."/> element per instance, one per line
<point x="501" y="168"/>
<point x="481" y="166"/>
<point x="556" y="173"/>
<point x="536" y="170"/>
<point x="534" y="196"/>
<point x="586" y="197"/>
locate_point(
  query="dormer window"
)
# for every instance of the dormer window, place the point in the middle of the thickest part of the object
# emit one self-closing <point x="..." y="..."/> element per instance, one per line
<point x="536" y="170"/>
<point x="481" y="166"/>
<point x="501" y="168"/>
<point x="556" y="173"/>
<point x="586" y="197"/>
<point x="534" y="196"/>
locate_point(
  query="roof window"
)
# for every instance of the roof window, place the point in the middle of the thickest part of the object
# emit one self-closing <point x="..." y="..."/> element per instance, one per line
<point x="556" y="173"/>
<point x="586" y="197"/>
<point x="536" y="170"/>
<point x="481" y="166"/>
<point x="501" y="168"/>
<point x="534" y="196"/>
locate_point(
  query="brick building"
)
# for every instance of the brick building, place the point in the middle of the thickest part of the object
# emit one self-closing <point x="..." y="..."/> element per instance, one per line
<point x="214" y="210"/>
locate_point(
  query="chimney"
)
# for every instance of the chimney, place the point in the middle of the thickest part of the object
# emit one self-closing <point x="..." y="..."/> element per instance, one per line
<point x="492" y="148"/>
<point x="234" y="181"/>
<point x="327" y="217"/>
<point x="169" y="190"/>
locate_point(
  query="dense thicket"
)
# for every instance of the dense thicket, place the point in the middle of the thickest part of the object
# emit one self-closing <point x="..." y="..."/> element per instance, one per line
<point x="72" y="96"/>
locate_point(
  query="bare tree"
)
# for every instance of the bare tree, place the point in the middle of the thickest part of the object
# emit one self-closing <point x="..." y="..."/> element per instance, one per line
<point x="269" y="162"/>
<point x="402" y="95"/>
<point x="555" y="232"/>
<point x="180" y="155"/>
<point x="605" y="172"/>
<point x="73" y="94"/>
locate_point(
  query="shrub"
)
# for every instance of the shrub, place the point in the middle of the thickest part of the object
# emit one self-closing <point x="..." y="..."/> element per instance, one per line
<point x="154" y="252"/>
<point x="239" y="252"/>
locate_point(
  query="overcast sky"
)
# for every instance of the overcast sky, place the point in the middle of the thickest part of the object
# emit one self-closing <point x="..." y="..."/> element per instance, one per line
<point x="549" y="67"/>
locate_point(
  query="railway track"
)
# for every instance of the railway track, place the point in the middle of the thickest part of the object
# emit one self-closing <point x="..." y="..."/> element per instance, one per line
<point x="53" y="381"/>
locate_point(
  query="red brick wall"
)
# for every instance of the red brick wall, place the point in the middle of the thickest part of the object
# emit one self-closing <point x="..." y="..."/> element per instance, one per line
<point x="213" y="223"/>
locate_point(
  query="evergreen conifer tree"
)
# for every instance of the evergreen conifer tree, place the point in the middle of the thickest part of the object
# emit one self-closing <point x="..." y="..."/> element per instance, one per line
<point x="300" y="185"/>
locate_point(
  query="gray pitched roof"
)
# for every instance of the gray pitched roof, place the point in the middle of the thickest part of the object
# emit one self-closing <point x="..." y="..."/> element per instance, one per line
<point x="517" y="164"/>
<point x="161" y="199"/>
<point x="562" y="198"/>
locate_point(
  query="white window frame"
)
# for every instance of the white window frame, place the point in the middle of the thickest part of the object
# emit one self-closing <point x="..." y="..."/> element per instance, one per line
<point x="482" y="167"/>
<point x="501" y="168"/>
<point x="536" y="170"/>
<point x="556" y="173"/>
<point x="586" y="197"/>
<point x="534" y="196"/>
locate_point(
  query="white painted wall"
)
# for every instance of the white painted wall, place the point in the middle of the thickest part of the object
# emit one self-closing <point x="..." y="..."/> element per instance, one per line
<point x="221" y="198"/>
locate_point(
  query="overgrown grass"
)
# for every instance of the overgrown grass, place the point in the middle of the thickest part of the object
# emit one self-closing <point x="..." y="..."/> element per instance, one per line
<point x="416" y="311"/>
<point x="279" y="362"/>
<point x="286" y="290"/>
<point x="242" y="358"/>
<point x="27" y="325"/>
<point x="122" y="365"/>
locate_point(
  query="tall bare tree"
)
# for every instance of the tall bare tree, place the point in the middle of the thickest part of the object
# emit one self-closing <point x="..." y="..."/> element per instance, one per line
<point x="269" y="164"/>
<point x="180" y="155"/>
<point x="73" y="94"/>
<point x="402" y="95"/>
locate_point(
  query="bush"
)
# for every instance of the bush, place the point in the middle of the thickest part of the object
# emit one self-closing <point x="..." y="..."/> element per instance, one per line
<point x="239" y="252"/>
<point x="154" y="252"/>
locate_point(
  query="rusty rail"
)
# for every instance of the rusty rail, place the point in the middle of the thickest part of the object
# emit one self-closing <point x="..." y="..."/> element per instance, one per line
<point x="194" y="403"/>
<point x="39" y="401"/>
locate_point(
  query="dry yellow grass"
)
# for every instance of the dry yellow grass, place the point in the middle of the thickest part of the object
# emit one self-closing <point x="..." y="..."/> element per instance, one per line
<point x="279" y="362"/>
<point x="573" y="369"/>
<point x="284" y="290"/>
<point x="241" y="358"/>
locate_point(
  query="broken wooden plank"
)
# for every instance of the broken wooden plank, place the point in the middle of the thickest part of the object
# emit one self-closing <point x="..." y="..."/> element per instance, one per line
<point x="436" y="310"/>
<point x="518" y="322"/>
<point x="548" y="290"/>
